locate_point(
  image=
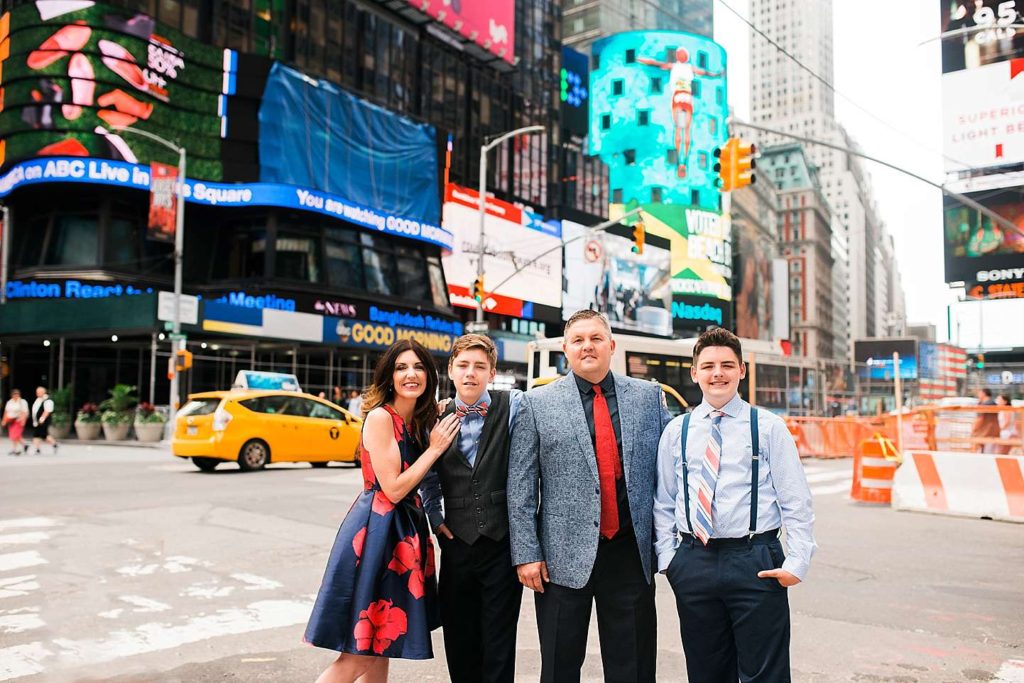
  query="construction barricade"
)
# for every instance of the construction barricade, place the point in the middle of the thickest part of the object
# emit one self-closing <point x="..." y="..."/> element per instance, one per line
<point x="874" y="464"/>
<point x="963" y="484"/>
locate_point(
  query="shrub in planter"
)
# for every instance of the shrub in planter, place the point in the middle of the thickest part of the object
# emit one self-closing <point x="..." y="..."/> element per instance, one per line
<point x="149" y="422"/>
<point x="87" y="422"/>
<point x="117" y="412"/>
<point x="60" y="421"/>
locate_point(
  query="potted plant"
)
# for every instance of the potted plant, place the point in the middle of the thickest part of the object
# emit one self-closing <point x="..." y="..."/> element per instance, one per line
<point x="87" y="422"/>
<point x="60" y="421"/>
<point x="149" y="422"/>
<point x="117" y="412"/>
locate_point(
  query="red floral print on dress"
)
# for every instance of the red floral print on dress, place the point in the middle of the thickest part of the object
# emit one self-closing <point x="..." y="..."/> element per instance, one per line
<point x="379" y="625"/>
<point x="381" y="504"/>
<point x="407" y="558"/>
<point x="357" y="544"/>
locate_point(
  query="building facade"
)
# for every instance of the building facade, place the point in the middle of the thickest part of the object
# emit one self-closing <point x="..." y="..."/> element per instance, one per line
<point x="585" y="21"/>
<point x="291" y="262"/>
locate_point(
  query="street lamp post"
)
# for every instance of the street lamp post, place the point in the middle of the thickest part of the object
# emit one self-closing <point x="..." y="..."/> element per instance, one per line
<point x="179" y="250"/>
<point x="484" y="149"/>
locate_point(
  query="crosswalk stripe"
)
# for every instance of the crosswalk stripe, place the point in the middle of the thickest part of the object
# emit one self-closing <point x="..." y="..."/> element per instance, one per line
<point x="26" y="522"/>
<point x="841" y="487"/>
<point x="1012" y="671"/>
<point x="24" y="538"/>
<point x="28" y="558"/>
<point x="827" y="476"/>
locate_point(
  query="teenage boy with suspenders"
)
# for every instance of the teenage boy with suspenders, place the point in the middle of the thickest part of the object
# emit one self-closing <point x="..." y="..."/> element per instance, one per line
<point x="729" y="476"/>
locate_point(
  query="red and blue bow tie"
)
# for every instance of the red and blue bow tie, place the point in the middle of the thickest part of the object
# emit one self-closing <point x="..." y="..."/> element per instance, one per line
<point x="480" y="409"/>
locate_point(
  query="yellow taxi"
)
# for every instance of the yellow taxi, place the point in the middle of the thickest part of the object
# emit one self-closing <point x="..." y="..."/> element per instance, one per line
<point x="254" y="428"/>
<point x="675" y="403"/>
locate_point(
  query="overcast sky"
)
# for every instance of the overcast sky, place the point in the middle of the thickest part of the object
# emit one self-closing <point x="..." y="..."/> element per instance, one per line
<point x="880" y="67"/>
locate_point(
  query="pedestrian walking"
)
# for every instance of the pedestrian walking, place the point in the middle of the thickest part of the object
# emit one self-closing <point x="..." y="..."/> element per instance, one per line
<point x="355" y="403"/>
<point x="985" y="425"/>
<point x="478" y="588"/>
<point x="729" y="477"/>
<point x="15" y="416"/>
<point x="580" y="495"/>
<point x="1007" y="425"/>
<point x="42" y="411"/>
<point x="378" y="598"/>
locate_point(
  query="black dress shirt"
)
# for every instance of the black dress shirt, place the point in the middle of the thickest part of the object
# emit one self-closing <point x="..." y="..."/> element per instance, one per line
<point x="587" y="394"/>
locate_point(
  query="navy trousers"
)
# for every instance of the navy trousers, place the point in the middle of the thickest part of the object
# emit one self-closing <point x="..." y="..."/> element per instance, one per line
<point x="734" y="625"/>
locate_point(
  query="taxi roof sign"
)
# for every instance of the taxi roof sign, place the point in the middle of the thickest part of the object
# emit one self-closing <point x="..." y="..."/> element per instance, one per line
<point x="273" y="381"/>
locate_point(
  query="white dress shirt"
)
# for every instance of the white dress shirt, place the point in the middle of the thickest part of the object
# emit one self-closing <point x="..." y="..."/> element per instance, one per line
<point x="783" y="497"/>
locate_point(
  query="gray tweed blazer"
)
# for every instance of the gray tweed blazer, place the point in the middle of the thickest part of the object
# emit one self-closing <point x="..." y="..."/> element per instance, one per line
<point x="554" y="498"/>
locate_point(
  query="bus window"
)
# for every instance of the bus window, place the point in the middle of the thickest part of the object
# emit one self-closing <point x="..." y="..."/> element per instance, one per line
<point x="771" y="387"/>
<point x="671" y="370"/>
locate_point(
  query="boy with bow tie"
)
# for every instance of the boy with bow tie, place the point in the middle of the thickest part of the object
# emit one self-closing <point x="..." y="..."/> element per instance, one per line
<point x="479" y="589"/>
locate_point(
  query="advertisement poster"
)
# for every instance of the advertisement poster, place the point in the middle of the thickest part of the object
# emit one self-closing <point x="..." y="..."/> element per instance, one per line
<point x="983" y="116"/>
<point x="874" y="358"/>
<point x="163" y="202"/>
<point x="491" y="24"/>
<point x="658" y="111"/>
<point x="985" y="32"/>
<point x="977" y="249"/>
<point x="76" y="73"/>
<point x="603" y="273"/>
<point x="517" y="239"/>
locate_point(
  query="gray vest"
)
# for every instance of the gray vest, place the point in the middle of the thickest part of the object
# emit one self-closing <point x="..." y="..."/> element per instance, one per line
<point x="474" y="497"/>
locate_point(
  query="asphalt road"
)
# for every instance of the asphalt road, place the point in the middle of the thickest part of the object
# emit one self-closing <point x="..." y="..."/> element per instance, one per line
<point x="126" y="565"/>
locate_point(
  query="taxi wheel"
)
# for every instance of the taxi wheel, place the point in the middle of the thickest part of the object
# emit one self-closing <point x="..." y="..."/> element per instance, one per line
<point x="206" y="464"/>
<point x="318" y="464"/>
<point x="255" y="454"/>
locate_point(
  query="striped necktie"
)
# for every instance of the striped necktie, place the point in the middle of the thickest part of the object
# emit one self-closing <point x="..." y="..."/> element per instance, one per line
<point x="702" y="523"/>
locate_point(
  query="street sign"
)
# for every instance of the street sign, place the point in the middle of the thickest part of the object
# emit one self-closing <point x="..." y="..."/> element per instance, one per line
<point x="189" y="308"/>
<point x="474" y="327"/>
<point x="179" y="336"/>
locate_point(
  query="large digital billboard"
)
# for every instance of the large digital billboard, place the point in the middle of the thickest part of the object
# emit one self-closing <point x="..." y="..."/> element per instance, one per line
<point x="516" y="239"/>
<point x="658" y="111"/>
<point x="979" y="32"/>
<point x="491" y="24"/>
<point x="977" y="249"/>
<point x="603" y="273"/>
<point x="875" y="361"/>
<point x="983" y="116"/>
<point x="73" y="72"/>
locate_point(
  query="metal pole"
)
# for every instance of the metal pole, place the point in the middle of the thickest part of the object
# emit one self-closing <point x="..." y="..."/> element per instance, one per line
<point x="482" y="243"/>
<point x="179" y="250"/>
<point x="60" y="364"/>
<point x="898" y="383"/>
<point x="152" y="368"/>
<point x="5" y="248"/>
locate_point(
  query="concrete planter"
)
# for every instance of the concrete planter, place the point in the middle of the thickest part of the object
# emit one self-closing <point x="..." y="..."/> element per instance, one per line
<point x="59" y="432"/>
<point x="149" y="431"/>
<point x="117" y="431"/>
<point x="87" y="431"/>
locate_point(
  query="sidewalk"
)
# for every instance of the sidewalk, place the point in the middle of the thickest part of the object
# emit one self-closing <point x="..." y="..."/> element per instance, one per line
<point x="74" y="451"/>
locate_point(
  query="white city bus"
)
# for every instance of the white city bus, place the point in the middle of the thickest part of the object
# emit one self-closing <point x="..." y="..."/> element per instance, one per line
<point x="780" y="383"/>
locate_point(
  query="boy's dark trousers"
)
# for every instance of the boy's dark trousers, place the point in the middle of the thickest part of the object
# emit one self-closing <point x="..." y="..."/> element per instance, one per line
<point x="733" y="624"/>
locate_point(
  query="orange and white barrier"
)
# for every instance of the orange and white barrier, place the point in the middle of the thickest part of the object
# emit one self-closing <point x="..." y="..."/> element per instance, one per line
<point x="874" y="465"/>
<point x="964" y="484"/>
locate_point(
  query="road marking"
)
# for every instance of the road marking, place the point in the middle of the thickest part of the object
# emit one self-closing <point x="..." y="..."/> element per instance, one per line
<point x="828" y="476"/>
<point x="841" y="487"/>
<point x="22" y="660"/>
<point x="1012" y="671"/>
<point x="172" y="565"/>
<point x="17" y="586"/>
<point x="26" y="522"/>
<point x="24" y="538"/>
<point x="144" y="604"/>
<point x="207" y="591"/>
<point x="18" y="621"/>
<point x="256" y="583"/>
<point x="29" y="558"/>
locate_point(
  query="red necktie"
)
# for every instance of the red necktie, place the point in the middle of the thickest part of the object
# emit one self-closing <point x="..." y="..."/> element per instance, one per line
<point x="608" y="467"/>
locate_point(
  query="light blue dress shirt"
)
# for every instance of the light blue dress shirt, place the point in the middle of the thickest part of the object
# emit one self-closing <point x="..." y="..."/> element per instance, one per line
<point x="783" y="497"/>
<point x="468" y="442"/>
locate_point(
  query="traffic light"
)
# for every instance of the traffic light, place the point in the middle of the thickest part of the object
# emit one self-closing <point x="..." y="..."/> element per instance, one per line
<point x="183" y="360"/>
<point x="638" y="237"/>
<point x="478" y="289"/>
<point x="736" y="164"/>
<point x="981" y="361"/>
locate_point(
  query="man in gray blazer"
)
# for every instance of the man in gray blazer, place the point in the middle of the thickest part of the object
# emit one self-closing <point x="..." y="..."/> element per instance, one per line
<point x="581" y="499"/>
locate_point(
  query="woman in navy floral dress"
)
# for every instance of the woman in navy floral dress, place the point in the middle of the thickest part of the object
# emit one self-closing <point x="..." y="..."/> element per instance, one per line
<point x="378" y="598"/>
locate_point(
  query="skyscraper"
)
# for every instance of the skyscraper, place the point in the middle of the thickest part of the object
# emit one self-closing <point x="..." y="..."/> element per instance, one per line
<point x="584" y="21"/>
<point x="784" y="96"/>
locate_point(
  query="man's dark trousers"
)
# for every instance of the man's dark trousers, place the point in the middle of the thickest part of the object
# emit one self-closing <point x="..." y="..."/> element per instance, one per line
<point x="734" y="625"/>
<point x="626" y="619"/>
<point x="480" y="596"/>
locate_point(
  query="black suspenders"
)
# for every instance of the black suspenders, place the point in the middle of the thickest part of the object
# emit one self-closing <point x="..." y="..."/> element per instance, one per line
<point x="755" y="459"/>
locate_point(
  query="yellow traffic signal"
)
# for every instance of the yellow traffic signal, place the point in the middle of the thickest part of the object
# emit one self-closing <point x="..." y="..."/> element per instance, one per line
<point x="735" y="166"/>
<point x="183" y="360"/>
<point x="638" y="237"/>
<point x="478" y="289"/>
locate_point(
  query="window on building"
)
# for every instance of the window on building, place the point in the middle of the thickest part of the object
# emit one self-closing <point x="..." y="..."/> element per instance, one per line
<point x="121" y="244"/>
<point x="629" y="156"/>
<point x="344" y="259"/>
<point x="617" y="196"/>
<point x="702" y="160"/>
<point x="630" y="56"/>
<point x="696" y="85"/>
<point x="73" y="240"/>
<point x="297" y="257"/>
<point x="412" y="272"/>
<point x="618" y="86"/>
<point x="671" y="157"/>
<point x="379" y="265"/>
<point x="438" y="288"/>
<point x="702" y="59"/>
<point x="695" y="197"/>
<point x="643" y="118"/>
<point x="240" y="252"/>
<point x="656" y="85"/>
<point x="606" y="121"/>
